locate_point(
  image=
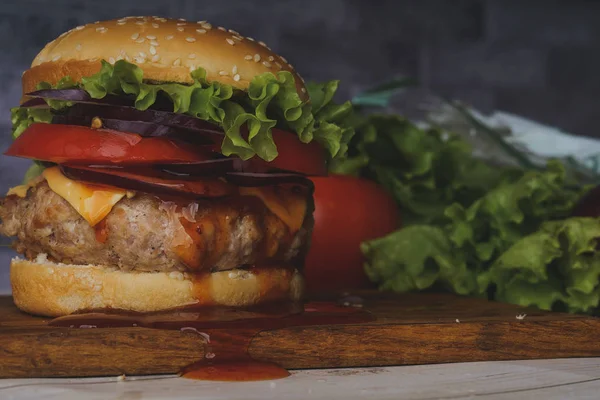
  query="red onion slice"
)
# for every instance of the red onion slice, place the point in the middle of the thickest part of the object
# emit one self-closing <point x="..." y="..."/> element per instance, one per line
<point x="146" y="129"/>
<point x="149" y="182"/>
<point x="251" y="179"/>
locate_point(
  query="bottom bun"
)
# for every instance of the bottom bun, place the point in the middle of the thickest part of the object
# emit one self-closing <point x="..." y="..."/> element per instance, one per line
<point x="45" y="288"/>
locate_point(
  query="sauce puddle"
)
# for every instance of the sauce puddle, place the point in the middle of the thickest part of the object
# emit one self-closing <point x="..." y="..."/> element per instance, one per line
<point x="227" y="332"/>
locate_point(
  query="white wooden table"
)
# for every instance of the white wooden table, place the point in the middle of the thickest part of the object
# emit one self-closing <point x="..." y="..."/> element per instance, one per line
<point x="541" y="379"/>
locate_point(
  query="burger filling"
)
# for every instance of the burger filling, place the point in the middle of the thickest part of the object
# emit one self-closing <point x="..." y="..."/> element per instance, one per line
<point x="145" y="232"/>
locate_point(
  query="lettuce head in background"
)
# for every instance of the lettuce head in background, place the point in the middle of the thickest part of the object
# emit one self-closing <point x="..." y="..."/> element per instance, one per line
<point x="488" y="204"/>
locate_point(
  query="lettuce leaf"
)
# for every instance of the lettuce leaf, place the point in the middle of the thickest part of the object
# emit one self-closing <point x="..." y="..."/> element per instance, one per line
<point x="22" y="117"/>
<point x="514" y="243"/>
<point x="425" y="170"/>
<point x="556" y="265"/>
<point x="271" y="101"/>
<point x="473" y="228"/>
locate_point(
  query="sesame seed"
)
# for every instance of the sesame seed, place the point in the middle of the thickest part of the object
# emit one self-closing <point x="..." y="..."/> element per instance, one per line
<point x="263" y="44"/>
<point x="180" y="29"/>
<point x="192" y="67"/>
<point x="151" y="37"/>
<point x="152" y="50"/>
<point x="154" y="43"/>
<point x="250" y="39"/>
<point x="231" y="42"/>
<point x="127" y="58"/>
<point x="121" y="23"/>
<point x="155" y="58"/>
<point x="93" y="59"/>
<point x="271" y="58"/>
<point x="278" y="65"/>
<point x="256" y="57"/>
<point x="78" y="28"/>
<point x="101" y="29"/>
<point x="78" y="47"/>
<point x="190" y="39"/>
<point x="122" y="20"/>
<point x="169" y="37"/>
<point x="303" y="90"/>
<point x="140" y="22"/>
<point x="238" y="38"/>
<point x="135" y="36"/>
<point x="181" y="19"/>
<point x="139" y="60"/>
<point x="234" y="32"/>
<point x="283" y="59"/>
<point x="267" y="64"/>
<point x="120" y="57"/>
<point x="234" y="69"/>
<point x="181" y="24"/>
<point x="191" y="56"/>
<point x="236" y="77"/>
<point x="155" y="25"/>
<point x="201" y="22"/>
<point x="207" y="26"/>
<point x="221" y="29"/>
<point x="56" y="57"/>
<point x="111" y="60"/>
<point x="201" y="30"/>
<point x="177" y="62"/>
<point x="140" y="40"/>
<point x="223" y="73"/>
<point x="248" y="57"/>
<point x="142" y="54"/>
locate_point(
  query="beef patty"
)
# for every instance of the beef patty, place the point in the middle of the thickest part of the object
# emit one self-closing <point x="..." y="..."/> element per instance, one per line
<point x="145" y="233"/>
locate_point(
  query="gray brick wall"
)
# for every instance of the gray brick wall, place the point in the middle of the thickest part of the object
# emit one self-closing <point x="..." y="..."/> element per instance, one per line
<point x="537" y="58"/>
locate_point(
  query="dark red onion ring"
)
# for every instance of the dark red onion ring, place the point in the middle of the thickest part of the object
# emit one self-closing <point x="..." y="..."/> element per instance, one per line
<point x="210" y="168"/>
<point x="158" y="117"/>
<point x="146" y="129"/>
<point x="78" y="96"/>
<point x="154" y="183"/>
<point x="35" y="102"/>
<point x="251" y="179"/>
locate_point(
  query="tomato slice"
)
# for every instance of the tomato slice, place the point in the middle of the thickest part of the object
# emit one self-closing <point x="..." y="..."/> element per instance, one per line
<point x="295" y="156"/>
<point x="149" y="181"/>
<point x="81" y="145"/>
<point x="73" y="144"/>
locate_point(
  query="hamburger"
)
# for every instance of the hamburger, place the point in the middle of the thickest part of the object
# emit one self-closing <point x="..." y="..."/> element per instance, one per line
<point x="171" y="164"/>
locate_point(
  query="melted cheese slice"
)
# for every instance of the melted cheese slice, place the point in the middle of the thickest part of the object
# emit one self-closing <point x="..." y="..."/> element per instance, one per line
<point x="92" y="202"/>
<point x="22" y="190"/>
<point x="289" y="207"/>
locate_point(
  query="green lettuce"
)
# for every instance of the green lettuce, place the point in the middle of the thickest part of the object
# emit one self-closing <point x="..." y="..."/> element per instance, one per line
<point x="515" y="244"/>
<point x="22" y="117"/>
<point x="271" y="101"/>
<point x="473" y="228"/>
<point x="425" y="170"/>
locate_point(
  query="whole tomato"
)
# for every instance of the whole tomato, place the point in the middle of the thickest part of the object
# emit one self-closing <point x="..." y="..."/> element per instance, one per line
<point x="348" y="211"/>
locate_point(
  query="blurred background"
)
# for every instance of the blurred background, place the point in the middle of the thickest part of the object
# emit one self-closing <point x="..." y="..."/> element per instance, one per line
<point x="539" y="58"/>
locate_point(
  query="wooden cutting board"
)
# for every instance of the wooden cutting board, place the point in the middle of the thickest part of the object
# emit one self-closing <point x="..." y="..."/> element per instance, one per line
<point x="406" y="329"/>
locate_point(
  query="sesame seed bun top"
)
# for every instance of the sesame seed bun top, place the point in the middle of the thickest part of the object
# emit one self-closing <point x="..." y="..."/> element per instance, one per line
<point x="166" y="50"/>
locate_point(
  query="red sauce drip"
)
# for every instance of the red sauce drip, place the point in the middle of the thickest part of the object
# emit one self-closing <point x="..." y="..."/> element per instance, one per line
<point x="101" y="231"/>
<point x="228" y="332"/>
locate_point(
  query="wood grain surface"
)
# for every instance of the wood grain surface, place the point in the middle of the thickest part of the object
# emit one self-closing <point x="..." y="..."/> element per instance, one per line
<point x="407" y="329"/>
